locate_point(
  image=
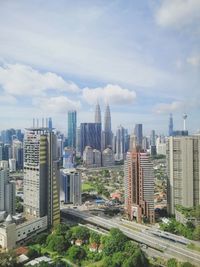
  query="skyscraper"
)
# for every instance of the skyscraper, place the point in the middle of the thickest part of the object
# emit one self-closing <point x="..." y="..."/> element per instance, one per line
<point x="41" y="175"/>
<point x="138" y="133"/>
<point x="90" y="134"/>
<point x="50" y="124"/>
<point x="120" y="143"/>
<point x="70" y="186"/>
<point x="72" y="124"/>
<point x="97" y="114"/>
<point x="183" y="161"/>
<point x="171" y="125"/>
<point x="139" y="187"/>
<point x="107" y="133"/>
<point x="7" y="192"/>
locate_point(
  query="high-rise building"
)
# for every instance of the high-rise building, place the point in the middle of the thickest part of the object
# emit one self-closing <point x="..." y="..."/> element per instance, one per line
<point x="97" y="118"/>
<point x="41" y="175"/>
<point x="139" y="135"/>
<point x="7" y="192"/>
<point x="91" y="157"/>
<point x="107" y="157"/>
<point x="120" y="143"/>
<point x="78" y="142"/>
<point x="90" y="134"/>
<point x="183" y="161"/>
<point x="17" y="153"/>
<point x="68" y="158"/>
<point x="50" y="124"/>
<point x="70" y="186"/>
<point x="72" y="124"/>
<point x="139" y="187"/>
<point x="107" y="133"/>
<point x="171" y="125"/>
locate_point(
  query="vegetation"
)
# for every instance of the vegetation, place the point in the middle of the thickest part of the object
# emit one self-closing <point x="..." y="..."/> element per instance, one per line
<point x="189" y="212"/>
<point x="178" y="228"/>
<point x="8" y="259"/>
<point x="19" y="206"/>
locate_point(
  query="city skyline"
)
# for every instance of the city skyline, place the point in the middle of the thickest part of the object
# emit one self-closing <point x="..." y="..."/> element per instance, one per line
<point x="146" y="69"/>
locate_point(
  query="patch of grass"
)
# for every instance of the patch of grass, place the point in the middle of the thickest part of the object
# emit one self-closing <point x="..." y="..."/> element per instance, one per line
<point x="87" y="187"/>
<point x="193" y="247"/>
<point x="94" y="264"/>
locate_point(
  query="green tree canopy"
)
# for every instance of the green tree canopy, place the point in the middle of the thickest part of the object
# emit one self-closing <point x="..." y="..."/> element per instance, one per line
<point x="76" y="254"/>
<point x="172" y="263"/>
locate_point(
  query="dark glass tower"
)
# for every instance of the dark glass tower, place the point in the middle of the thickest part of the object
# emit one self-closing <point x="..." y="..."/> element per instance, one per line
<point x="171" y="126"/>
<point x="138" y="133"/>
<point x="90" y="135"/>
<point x="72" y="128"/>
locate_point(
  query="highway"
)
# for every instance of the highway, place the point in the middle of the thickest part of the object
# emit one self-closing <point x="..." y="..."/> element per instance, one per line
<point x="168" y="248"/>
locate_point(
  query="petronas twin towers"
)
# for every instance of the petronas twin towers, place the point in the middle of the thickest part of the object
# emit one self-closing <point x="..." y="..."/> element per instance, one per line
<point x="107" y="132"/>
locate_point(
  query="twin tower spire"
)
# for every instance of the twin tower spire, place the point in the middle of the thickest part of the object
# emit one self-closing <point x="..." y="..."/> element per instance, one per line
<point x="107" y="132"/>
<point x="107" y="117"/>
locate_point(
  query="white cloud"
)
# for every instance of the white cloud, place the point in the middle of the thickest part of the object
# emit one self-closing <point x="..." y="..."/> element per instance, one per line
<point x="58" y="104"/>
<point x="194" y="60"/>
<point x="18" y="79"/>
<point x="113" y="94"/>
<point x="8" y="99"/>
<point x="178" y="13"/>
<point x="168" y="108"/>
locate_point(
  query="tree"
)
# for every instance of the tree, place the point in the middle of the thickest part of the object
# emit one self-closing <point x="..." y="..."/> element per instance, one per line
<point x="115" y="242"/>
<point x="80" y="232"/>
<point x="61" y="229"/>
<point x="76" y="254"/>
<point x="186" y="264"/>
<point x="8" y="259"/>
<point x="57" y="243"/>
<point x="118" y="258"/>
<point x="172" y="263"/>
<point x="196" y="233"/>
<point x="95" y="237"/>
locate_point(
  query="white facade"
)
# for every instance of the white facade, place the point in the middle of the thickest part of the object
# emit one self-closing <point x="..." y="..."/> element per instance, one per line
<point x="183" y="158"/>
<point x="88" y="156"/>
<point x="10" y="234"/>
<point x="107" y="157"/>
<point x="12" y="165"/>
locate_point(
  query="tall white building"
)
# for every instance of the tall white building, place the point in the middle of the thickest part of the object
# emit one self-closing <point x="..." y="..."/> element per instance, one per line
<point x="41" y="175"/>
<point x="183" y="158"/>
<point x="120" y="143"/>
<point x="70" y="186"/>
<point x="108" y="158"/>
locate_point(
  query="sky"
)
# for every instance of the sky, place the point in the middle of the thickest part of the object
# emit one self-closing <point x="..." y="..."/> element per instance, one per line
<point x="141" y="57"/>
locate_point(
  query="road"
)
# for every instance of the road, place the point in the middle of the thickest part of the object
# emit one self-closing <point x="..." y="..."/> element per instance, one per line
<point x="168" y="249"/>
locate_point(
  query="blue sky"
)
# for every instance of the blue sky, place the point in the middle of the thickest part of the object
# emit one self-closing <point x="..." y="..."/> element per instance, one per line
<point x="143" y="57"/>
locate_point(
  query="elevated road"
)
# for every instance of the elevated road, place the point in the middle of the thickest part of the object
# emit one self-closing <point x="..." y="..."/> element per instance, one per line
<point x="169" y="248"/>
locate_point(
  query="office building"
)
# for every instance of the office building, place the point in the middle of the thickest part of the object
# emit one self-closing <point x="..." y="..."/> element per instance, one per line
<point x="41" y="175"/>
<point x="139" y="135"/>
<point x="17" y="153"/>
<point x="120" y="143"/>
<point x="91" y="157"/>
<point x="78" y="142"/>
<point x="139" y="187"/>
<point x="50" y="124"/>
<point x="107" y="133"/>
<point x="12" y="165"/>
<point x="72" y="125"/>
<point x="7" y="192"/>
<point x="90" y="135"/>
<point x="107" y="158"/>
<point x="70" y="186"/>
<point x="68" y="158"/>
<point x="183" y="160"/>
<point x="97" y="118"/>
<point x="171" y="126"/>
